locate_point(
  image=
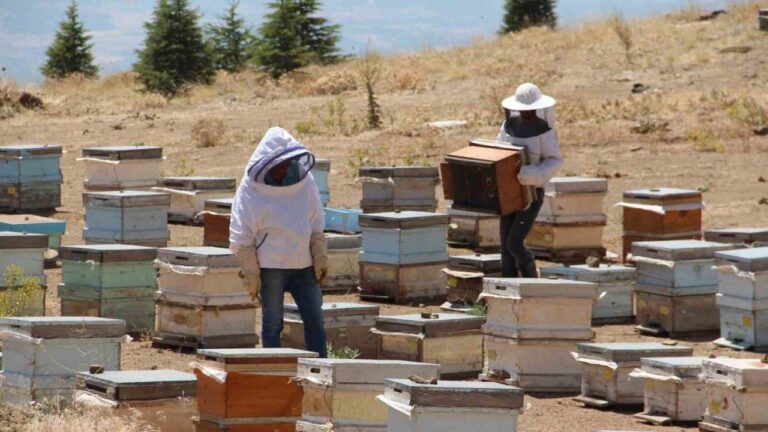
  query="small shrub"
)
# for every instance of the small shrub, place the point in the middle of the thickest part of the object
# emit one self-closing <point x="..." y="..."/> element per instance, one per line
<point x="359" y="157"/>
<point x="208" y="132"/>
<point x="369" y="68"/>
<point x="406" y="80"/>
<point x="330" y="119"/>
<point x="342" y="352"/>
<point x="478" y="309"/>
<point x="183" y="168"/>
<point x="650" y="125"/>
<point x="749" y="112"/>
<point x="703" y="141"/>
<point x="621" y="28"/>
<point x="23" y="292"/>
<point x="333" y="83"/>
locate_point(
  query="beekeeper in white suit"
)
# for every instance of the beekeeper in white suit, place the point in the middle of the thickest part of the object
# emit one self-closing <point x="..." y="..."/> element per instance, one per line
<point x="276" y="232"/>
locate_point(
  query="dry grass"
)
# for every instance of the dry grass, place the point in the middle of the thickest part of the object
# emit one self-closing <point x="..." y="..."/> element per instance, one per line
<point x="208" y="132"/>
<point x="51" y="418"/>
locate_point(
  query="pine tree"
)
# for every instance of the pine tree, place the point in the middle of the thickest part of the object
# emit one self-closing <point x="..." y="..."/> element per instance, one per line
<point x="521" y="14"/>
<point x="70" y="52"/>
<point x="316" y="34"/>
<point x="174" y="51"/>
<point x="231" y="40"/>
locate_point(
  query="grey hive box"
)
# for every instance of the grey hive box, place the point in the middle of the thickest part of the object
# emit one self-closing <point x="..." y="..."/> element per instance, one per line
<point x="346" y="325"/>
<point x="30" y="177"/>
<point x="737" y="235"/>
<point x="737" y="395"/>
<point x="124" y="152"/>
<point x="398" y="188"/>
<point x="465" y="275"/>
<point x="126" y="217"/>
<point x="748" y="260"/>
<point x="189" y="195"/>
<point x="673" y="391"/>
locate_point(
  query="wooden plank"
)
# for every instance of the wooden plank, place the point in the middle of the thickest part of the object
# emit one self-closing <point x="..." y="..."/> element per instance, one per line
<point x="446" y="173"/>
<point x="454" y="394"/>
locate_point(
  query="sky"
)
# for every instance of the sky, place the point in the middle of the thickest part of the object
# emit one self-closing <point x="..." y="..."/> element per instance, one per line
<point x="27" y="27"/>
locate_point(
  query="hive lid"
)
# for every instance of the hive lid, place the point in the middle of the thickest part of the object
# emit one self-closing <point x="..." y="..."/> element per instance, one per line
<point x="254" y="355"/>
<point x="739" y="372"/>
<point x="322" y="165"/>
<point x="357" y="371"/>
<point x="429" y="324"/>
<point x="219" y="203"/>
<point x="533" y="288"/>
<point x="576" y="185"/>
<point x="682" y="367"/>
<point x="198" y="256"/>
<point x="399" y="172"/>
<point x="662" y="194"/>
<point x="343" y="241"/>
<point x="403" y="220"/>
<point x="454" y="394"/>
<point x="139" y="384"/>
<point x="752" y="260"/>
<point x="126" y="199"/>
<point x="679" y="250"/>
<point x="108" y="253"/>
<point x="338" y="309"/>
<point x="32" y="224"/>
<point x="64" y="327"/>
<point x="631" y="351"/>
<point x="737" y="235"/>
<point x="485" y="263"/>
<point x="20" y="240"/>
<point x="23" y="150"/>
<point x="605" y="273"/>
<point x="199" y="183"/>
<point x="124" y="152"/>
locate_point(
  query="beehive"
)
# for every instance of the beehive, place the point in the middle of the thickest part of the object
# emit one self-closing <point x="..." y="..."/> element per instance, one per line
<point x="216" y="222"/>
<point x="127" y="217"/>
<point x="387" y="189"/>
<point x="737" y="394"/>
<point x="30" y="177"/>
<point x="451" y="340"/>
<point x="110" y="281"/>
<point x="248" y="389"/>
<point x="402" y="283"/>
<point x="53" y="228"/>
<point x="605" y="369"/>
<point x="574" y="200"/>
<point x="165" y="399"/>
<point x="121" y="167"/>
<point x="673" y="392"/>
<point x="25" y="252"/>
<point x="449" y="406"/>
<point x="615" y="288"/>
<point x="346" y="325"/>
<point x="42" y="355"/>
<point x="188" y="195"/>
<point x="343" y="221"/>
<point x="342" y="393"/>
<point x="741" y="236"/>
<point x="320" y="172"/>
<point x="473" y="230"/>
<point x="762" y="19"/>
<point x="465" y="275"/>
<point x="343" y="261"/>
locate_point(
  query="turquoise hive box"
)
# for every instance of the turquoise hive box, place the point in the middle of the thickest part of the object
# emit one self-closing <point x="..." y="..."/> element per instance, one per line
<point x="343" y="221"/>
<point x="409" y="237"/>
<point x="127" y="217"/>
<point x="30" y="177"/>
<point x="53" y="228"/>
<point x="320" y="172"/>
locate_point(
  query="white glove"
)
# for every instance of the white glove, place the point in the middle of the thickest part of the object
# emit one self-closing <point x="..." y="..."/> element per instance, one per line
<point x="319" y="252"/>
<point x="250" y="272"/>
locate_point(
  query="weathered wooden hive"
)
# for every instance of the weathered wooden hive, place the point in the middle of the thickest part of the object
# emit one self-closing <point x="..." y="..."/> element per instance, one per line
<point x="473" y="230"/>
<point x="660" y="214"/>
<point x="343" y="262"/>
<point x="42" y="355"/>
<point x="341" y="394"/>
<point x="346" y="325"/>
<point x="452" y="340"/>
<point x="121" y="167"/>
<point x="217" y="213"/>
<point x="451" y="406"/>
<point x="532" y="327"/>
<point x="762" y="19"/>
<point x="676" y="286"/>
<point x="53" y="228"/>
<point x="465" y="275"/>
<point x="201" y="301"/>
<point x="570" y="225"/>
<point x="25" y="252"/>
<point x="737" y="395"/>
<point x="739" y="236"/>
<point x="165" y="399"/>
<point x="188" y="195"/>
<point x="743" y="298"/>
<point x="248" y="389"/>
<point x="403" y="255"/>
<point x="30" y="178"/>
<point x="126" y="217"/>
<point x="615" y="287"/>
<point x="673" y="391"/>
<point x="605" y="369"/>
<point x="387" y="189"/>
<point x="110" y="281"/>
<point x="342" y="221"/>
<point x="320" y="172"/>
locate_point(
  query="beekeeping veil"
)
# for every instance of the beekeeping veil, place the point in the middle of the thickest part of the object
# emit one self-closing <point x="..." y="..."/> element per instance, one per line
<point x="528" y="97"/>
<point x="276" y="147"/>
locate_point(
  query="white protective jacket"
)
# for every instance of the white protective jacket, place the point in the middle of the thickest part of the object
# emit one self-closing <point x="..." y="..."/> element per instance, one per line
<point x="278" y="220"/>
<point x="543" y="154"/>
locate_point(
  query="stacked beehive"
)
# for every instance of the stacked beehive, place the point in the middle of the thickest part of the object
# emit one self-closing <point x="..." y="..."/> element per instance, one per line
<point x="346" y="325"/>
<point x="340" y="395"/>
<point x="24" y="252"/>
<point x="403" y="255"/>
<point x="673" y="391"/>
<point x="451" y="340"/>
<point x="249" y="390"/>
<point x="737" y="395"/>
<point x="343" y="261"/>
<point x="201" y="302"/>
<point x="606" y="368"/>
<point x="188" y="195"/>
<point x="165" y="399"/>
<point x="53" y="228"/>
<point x="615" y="286"/>
<point x="216" y="215"/>
<point x="676" y="286"/>
<point x="739" y="236"/>
<point x="41" y="356"/>
<point x="473" y="230"/>
<point x="342" y="221"/>
<point x="465" y="275"/>
<point x="387" y="189"/>
<point x="30" y="178"/>
<point x="743" y="298"/>
<point x="532" y="327"/>
<point x="110" y="281"/>
<point x="570" y="225"/>
<point x="660" y="214"/>
<point x="320" y="172"/>
<point x="121" y="167"/>
<point x="126" y="217"/>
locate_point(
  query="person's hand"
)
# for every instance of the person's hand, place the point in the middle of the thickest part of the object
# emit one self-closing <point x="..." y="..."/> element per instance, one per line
<point x="252" y="284"/>
<point x="319" y="252"/>
<point x="321" y="272"/>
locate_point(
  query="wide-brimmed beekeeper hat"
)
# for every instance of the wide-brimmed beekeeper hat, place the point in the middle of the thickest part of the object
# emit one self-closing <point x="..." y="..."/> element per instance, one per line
<point x="528" y="97"/>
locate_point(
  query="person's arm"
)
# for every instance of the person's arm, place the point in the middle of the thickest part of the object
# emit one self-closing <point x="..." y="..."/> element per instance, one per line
<point x="317" y="244"/>
<point x="243" y="227"/>
<point x="551" y="160"/>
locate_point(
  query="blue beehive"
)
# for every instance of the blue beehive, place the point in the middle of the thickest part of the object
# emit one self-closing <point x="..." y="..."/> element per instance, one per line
<point x="320" y="172"/>
<point x="53" y="228"/>
<point x="408" y="237"/>
<point x="344" y="221"/>
<point x="30" y="177"/>
<point x="127" y="217"/>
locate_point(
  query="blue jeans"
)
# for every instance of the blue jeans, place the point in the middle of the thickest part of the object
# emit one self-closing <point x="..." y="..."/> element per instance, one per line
<point x="305" y="290"/>
<point x="516" y="259"/>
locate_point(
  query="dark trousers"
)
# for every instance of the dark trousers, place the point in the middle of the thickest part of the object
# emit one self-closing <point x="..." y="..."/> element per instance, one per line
<point x="516" y="259"/>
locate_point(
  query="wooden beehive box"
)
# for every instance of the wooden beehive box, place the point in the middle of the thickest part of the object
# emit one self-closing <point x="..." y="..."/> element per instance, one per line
<point x="121" y="167"/>
<point x="628" y="239"/>
<point x="605" y="369"/>
<point x="30" y="177"/>
<point x="343" y="221"/>
<point x="42" y="355"/>
<point x="737" y="395"/>
<point x="25" y="252"/>
<point x="677" y="264"/>
<point x="188" y="195"/>
<point x="346" y="325"/>
<point x="320" y="172"/>
<point x="566" y="243"/>
<point x="248" y="389"/>
<point x="465" y="275"/>
<point x="483" y="177"/>
<point x="216" y="222"/>
<point x="53" y="228"/>
<point x="199" y="274"/>
<point x="342" y="393"/>
<point x="473" y="230"/>
<point x="662" y="211"/>
<point x="402" y="283"/>
<point x="343" y="262"/>
<point x="110" y="281"/>
<point x="661" y="310"/>
<point x="740" y="236"/>
<point x="570" y="200"/>
<point x="404" y="237"/>
<point x="762" y="19"/>
<point x="165" y="399"/>
<point x="673" y="391"/>
<point x="452" y="340"/>
<point x="615" y="288"/>
<point x="126" y="217"/>
<point x="387" y="189"/>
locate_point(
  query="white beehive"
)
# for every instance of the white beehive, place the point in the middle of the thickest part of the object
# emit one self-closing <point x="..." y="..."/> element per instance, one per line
<point x="121" y="167"/>
<point x="188" y="194"/>
<point x="737" y="395"/>
<point x="473" y="230"/>
<point x="677" y="264"/>
<point x="673" y="391"/>
<point x="574" y="199"/>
